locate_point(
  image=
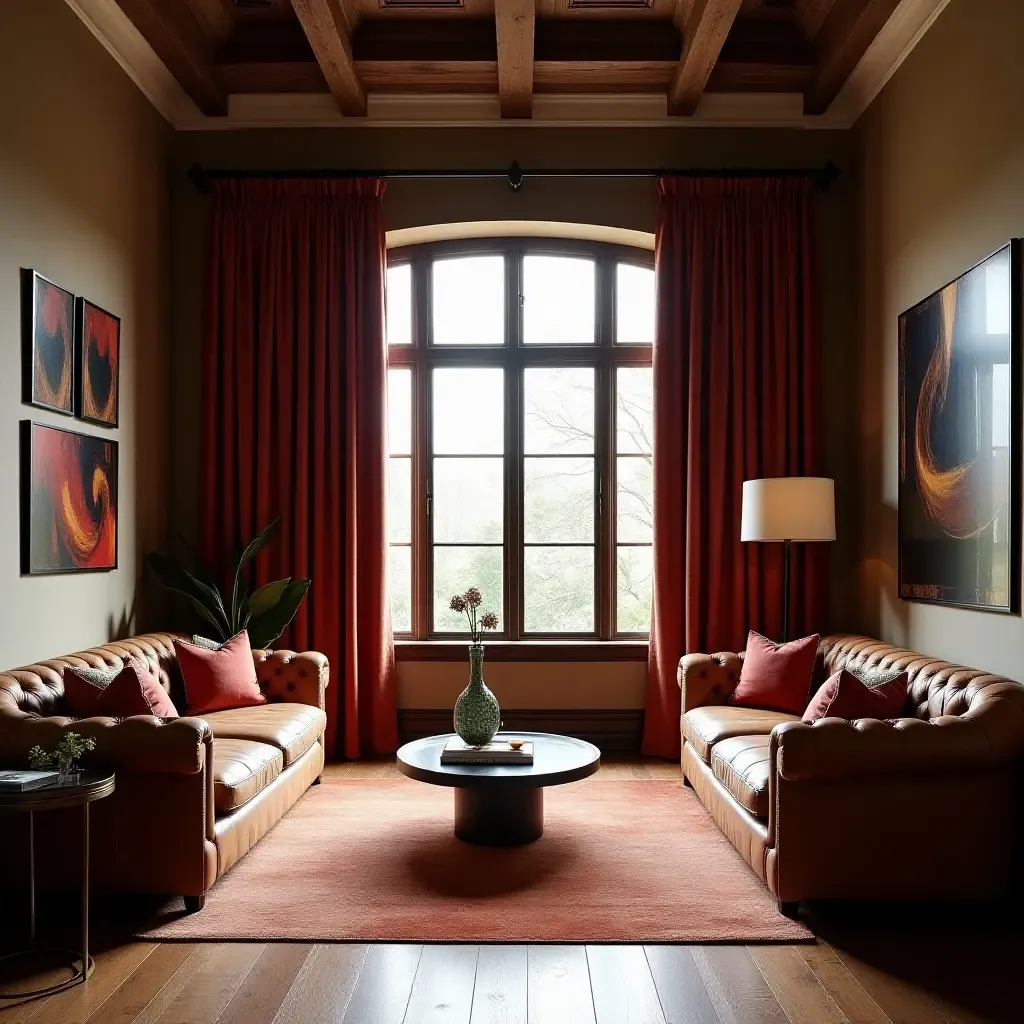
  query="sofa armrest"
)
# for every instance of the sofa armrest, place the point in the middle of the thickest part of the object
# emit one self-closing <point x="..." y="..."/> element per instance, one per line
<point x="834" y="748"/>
<point x="176" y="746"/>
<point x="298" y="678"/>
<point x="707" y="679"/>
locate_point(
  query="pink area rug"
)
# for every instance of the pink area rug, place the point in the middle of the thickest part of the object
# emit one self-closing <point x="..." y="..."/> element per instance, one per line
<point x="377" y="860"/>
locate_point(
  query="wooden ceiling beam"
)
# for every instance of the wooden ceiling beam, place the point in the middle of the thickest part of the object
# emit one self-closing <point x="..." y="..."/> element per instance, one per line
<point x="327" y="27"/>
<point x="178" y="40"/>
<point x="707" y="27"/>
<point x="514" y="27"/>
<point x="849" y="29"/>
<point x="213" y="17"/>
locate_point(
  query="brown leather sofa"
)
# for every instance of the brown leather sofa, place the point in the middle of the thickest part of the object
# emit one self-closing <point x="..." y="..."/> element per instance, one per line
<point x="923" y="807"/>
<point x="192" y="795"/>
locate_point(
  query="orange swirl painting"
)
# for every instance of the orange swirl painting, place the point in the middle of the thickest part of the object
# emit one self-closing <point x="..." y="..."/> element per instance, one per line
<point x="48" y="365"/>
<point x="99" y="348"/>
<point x="959" y="512"/>
<point x="69" y="501"/>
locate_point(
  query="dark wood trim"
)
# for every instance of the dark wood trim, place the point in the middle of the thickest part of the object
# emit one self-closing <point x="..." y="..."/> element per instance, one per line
<point x="525" y="650"/>
<point x="616" y="729"/>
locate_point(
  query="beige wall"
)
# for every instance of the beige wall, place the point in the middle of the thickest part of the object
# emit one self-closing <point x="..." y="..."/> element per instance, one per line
<point x="623" y="203"/>
<point x="942" y="185"/>
<point x="83" y="200"/>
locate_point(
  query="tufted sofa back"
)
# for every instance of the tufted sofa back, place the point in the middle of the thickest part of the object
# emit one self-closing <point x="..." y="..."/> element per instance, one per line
<point x="39" y="689"/>
<point x="937" y="688"/>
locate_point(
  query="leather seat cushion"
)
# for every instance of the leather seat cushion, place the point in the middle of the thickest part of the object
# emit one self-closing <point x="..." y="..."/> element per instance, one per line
<point x="292" y="728"/>
<point x="241" y="769"/>
<point x="742" y="765"/>
<point x="706" y="726"/>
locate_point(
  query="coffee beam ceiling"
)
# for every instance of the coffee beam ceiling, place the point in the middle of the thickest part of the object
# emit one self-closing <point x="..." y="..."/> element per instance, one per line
<point x="513" y="49"/>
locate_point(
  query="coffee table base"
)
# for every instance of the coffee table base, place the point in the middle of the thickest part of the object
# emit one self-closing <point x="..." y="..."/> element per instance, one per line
<point x="499" y="816"/>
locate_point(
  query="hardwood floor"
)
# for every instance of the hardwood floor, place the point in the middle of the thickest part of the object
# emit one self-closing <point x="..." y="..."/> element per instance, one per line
<point x="872" y="965"/>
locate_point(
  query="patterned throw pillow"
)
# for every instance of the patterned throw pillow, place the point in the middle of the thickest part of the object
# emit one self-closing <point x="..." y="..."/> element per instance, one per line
<point x="101" y="675"/>
<point x="210" y="645"/>
<point x="874" y="675"/>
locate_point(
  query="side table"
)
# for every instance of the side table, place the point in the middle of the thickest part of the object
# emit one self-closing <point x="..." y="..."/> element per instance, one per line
<point x="88" y="787"/>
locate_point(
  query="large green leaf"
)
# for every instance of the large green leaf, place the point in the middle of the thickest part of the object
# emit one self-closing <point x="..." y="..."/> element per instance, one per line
<point x="175" y="577"/>
<point x="256" y="545"/>
<point x="266" y="628"/>
<point x="204" y="613"/>
<point x="196" y="566"/>
<point x="266" y="597"/>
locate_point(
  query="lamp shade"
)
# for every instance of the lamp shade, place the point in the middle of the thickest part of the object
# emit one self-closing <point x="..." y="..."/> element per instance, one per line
<point x="801" y="508"/>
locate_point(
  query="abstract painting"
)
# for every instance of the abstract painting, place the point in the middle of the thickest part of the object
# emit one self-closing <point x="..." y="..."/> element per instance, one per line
<point x="959" y="454"/>
<point x="48" y="365"/>
<point x="68" y="501"/>
<point x="99" y="345"/>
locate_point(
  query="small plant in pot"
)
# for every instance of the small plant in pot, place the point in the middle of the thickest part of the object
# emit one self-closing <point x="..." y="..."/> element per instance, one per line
<point x="477" y="714"/>
<point x="65" y="756"/>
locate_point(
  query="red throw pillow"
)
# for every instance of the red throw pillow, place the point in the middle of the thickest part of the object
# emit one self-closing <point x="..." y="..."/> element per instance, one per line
<point x="776" y="677"/>
<point x="221" y="679"/>
<point x="843" y="695"/>
<point x="133" y="691"/>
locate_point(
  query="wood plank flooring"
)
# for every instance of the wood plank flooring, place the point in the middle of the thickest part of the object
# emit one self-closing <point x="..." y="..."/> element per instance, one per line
<point x="869" y="966"/>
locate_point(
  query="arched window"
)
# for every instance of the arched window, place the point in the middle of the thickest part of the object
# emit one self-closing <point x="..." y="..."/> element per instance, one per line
<point x="520" y="436"/>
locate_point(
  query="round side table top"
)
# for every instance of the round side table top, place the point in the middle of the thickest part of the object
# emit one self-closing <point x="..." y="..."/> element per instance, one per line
<point x="556" y="761"/>
<point x="55" y="795"/>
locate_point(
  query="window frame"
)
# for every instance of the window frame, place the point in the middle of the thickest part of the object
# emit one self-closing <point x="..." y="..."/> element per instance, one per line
<point x="514" y="356"/>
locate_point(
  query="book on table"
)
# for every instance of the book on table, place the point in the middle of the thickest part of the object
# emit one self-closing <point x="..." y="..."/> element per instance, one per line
<point x="498" y="751"/>
<point x="22" y="782"/>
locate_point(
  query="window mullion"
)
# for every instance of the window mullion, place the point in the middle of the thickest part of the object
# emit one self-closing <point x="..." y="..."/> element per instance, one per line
<point x="513" y="447"/>
<point x="422" y="550"/>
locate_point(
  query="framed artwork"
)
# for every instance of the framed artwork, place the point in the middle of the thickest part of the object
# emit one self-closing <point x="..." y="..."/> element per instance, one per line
<point x="959" y="440"/>
<point x="68" y="501"/>
<point x="98" y="344"/>
<point x="47" y="361"/>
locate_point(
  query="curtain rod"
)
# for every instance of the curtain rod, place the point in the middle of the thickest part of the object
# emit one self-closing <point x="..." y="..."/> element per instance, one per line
<point x="514" y="174"/>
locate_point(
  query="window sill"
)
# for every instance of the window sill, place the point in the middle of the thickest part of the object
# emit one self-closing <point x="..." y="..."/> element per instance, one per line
<point x="524" y="650"/>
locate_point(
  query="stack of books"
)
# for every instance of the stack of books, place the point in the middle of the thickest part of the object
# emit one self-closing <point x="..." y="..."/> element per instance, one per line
<point x="22" y="782"/>
<point x="497" y="751"/>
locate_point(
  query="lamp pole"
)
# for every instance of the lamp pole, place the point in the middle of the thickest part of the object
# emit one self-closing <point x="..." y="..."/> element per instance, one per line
<point x="785" y="590"/>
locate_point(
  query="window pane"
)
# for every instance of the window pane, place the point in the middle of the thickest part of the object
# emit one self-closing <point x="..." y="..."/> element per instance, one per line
<point x="633" y="587"/>
<point x="634" y="305"/>
<point x="468" y="500"/>
<point x="399" y="305"/>
<point x="458" y="569"/>
<point x="634" y="496"/>
<point x="559" y="407"/>
<point x="469" y="411"/>
<point x="558" y="501"/>
<point x="558" y="300"/>
<point x="634" y="410"/>
<point x="559" y="590"/>
<point x="469" y="300"/>
<point x="400" y="501"/>
<point x="400" y="412"/>
<point x="400" y="585"/>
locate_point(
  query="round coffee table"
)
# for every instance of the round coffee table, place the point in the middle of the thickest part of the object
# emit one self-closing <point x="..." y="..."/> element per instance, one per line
<point x="87" y="788"/>
<point x="498" y="804"/>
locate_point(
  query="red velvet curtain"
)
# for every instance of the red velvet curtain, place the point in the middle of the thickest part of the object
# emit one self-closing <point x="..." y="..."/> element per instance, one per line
<point x="736" y="395"/>
<point x="294" y="381"/>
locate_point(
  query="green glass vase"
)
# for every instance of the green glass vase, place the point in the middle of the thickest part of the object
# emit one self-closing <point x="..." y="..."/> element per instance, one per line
<point x="477" y="715"/>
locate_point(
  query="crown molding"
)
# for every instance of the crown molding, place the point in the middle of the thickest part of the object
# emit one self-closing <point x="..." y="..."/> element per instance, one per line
<point x="124" y="42"/>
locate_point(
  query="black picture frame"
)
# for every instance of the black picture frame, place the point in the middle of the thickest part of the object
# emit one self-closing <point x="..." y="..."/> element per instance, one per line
<point x="47" y="548"/>
<point x="46" y="352"/>
<point x="90" y="365"/>
<point x="959" y="516"/>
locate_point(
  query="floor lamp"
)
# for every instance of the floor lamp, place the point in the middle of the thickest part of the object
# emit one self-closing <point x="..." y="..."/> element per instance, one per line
<point x="787" y="509"/>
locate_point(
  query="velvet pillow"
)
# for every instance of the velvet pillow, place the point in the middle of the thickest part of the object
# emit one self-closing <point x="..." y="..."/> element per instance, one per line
<point x="776" y="677"/>
<point x="133" y="691"/>
<point x="843" y="695"/>
<point x="221" y="679"/>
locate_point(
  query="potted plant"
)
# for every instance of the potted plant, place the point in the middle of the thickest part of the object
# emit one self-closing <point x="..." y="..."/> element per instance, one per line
<point x="65" y="756"/>
<point x="264" y="613"/>
<point x="477" y="714"/>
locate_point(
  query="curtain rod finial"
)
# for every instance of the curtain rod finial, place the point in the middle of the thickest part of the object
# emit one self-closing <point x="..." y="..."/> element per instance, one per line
<point x="515" y="176"/>
<point x="199" y="178"/>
